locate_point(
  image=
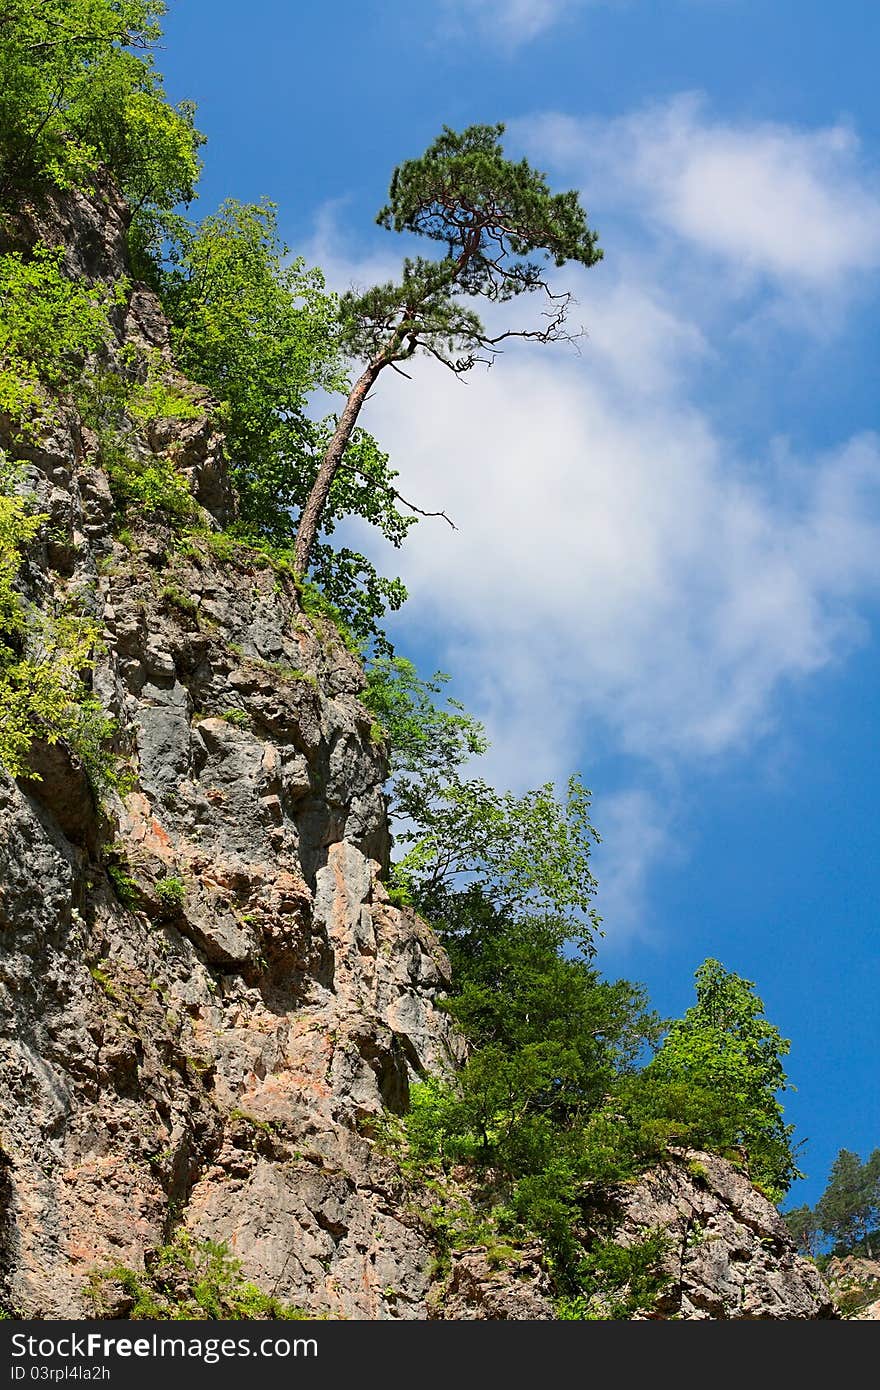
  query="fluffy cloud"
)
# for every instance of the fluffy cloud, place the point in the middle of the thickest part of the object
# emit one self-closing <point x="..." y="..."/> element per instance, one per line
<point x="619" y="567"/>
<point x="790" y="204"/>
<point x="628" y="580"/>
<point x="636" y="837"/>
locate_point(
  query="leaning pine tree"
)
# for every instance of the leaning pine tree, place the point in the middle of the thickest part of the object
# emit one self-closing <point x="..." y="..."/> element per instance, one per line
<point x="502" y="226"/>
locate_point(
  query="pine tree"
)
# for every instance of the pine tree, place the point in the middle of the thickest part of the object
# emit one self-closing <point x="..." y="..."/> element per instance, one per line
<point x="500" y="225"/>
<point x="849" y="1209"/>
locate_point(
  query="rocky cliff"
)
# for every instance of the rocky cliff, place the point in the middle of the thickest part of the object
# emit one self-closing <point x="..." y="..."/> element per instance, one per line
<point x="729" y="1254"/>
<point x="854" y="1281"/>
<point x="211" y="1056"/>
<point x="207" y="1000"/>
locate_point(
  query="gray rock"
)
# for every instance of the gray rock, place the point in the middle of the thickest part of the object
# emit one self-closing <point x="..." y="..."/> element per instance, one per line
<point x="730" y="1254"/>
<point x="516" y="1288"/>
<point x="221" y="1052"/>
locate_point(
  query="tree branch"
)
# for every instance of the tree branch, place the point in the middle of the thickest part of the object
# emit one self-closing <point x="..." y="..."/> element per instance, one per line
<point x="392" y="491"/>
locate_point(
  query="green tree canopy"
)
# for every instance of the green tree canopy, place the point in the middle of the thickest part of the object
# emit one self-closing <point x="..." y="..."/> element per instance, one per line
<point x="849" y="1209"/>
<point x="78" y="89"/>
<point x="549" y="1039"/>
<point x="262" y="332"/>
<point x="525" y="856"/>
<point x="426" y="738"/>
<point x="501" y="226"/>
<point x="722" y="1062"/>
<point x="805" y="1230"/>
<point x="528" y="855"/>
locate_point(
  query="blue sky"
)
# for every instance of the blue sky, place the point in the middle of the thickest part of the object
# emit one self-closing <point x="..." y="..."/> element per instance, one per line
<point x="693" y="623"/>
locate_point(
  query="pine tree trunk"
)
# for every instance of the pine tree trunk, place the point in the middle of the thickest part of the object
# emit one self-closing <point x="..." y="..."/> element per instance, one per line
<point x="317" y="499"/>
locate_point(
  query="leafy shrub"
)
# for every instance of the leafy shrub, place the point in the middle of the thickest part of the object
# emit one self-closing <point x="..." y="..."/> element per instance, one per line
<point x="238" y="717"/>
<point x="189" y="1279"/>
<point x="78" y="90"/>
<point x="119" y="873"/>
<point x="261" y="331"/>
<point x="48" y="324"/>
<point x="618" y="1281"/>
<point x="171" y="893"/>
<point x="148" y="482"/>
<point x="152" y="488"/>
<point x="176" y="598"/>
<point x="42" y="661"/>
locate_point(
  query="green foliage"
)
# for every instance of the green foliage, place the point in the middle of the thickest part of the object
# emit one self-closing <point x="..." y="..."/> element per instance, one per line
<point x="151" y="396"/>
<point x="78" y="90"/>
<point x="118" y="872"/>
<point x="43" y="658"/>
<point x="618" y="1281"/>
<point x="500" y="225"/>
<point x="526" y="855"/>
<point x="804" y="1229"/>
<point x="148" y="483"/>
<point x="848" y="1212"/>
<point x="425" y="738"/>
<point x="151" y="488"/>
<point x="548" y="1040"/>
<point x="262" y="332"/>
<point x="104" y="982"/>
<point x="189" y="1279"/>
<point x="48" y="323"/>
<point x="462" y="188"/>
<point x="124" y="886"/>
<point x="469" y="845"/>
<point x="715" y="1081"/>
<point x="555" y="1102"/>
<point x="171" y="893"/>
<point x="239" y="717"/>
<point x="174" y="597"/>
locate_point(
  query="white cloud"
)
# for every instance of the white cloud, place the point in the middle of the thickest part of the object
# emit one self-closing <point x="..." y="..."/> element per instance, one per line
<point x="769" y="199"/>
<point x="511" y="23"/>
<point x="623" y="571"/>
<point x="626" y="577"/>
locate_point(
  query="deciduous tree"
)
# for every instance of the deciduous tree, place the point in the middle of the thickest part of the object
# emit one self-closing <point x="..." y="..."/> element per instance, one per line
<point x="724" y="1058"/>
<point x="262" y="332"/>
<point x="78" y="89"/>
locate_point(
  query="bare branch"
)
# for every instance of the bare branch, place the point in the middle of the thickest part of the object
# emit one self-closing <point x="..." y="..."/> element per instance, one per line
<point x="413" y="508"/>
<point x="392" y="492"/>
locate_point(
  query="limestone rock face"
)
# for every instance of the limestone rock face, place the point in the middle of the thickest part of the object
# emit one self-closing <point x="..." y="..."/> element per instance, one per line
<point x="854" y="1281"/>
<point x="208" y="1002"/>
<point x="215" y="1051"/>
<point x="730" y="1255"/>
<point x="517" y="1288"/>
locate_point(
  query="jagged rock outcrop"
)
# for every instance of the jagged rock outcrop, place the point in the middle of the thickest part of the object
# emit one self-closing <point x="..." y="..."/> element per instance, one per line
<point x="207" y="1000"/>
<point x="854" y="1282"/>
<point x="215" y="1053"/>
<point x="480" y="1287"/>
<point x="729" y="1254"/>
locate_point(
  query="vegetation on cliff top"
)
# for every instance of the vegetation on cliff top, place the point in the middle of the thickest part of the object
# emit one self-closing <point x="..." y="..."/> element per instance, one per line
<point x="187" y="1279"/>
<point x="79" y="92"/>
<point x="571" y="1081"/>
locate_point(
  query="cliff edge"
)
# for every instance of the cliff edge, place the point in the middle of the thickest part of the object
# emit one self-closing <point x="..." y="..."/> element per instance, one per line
<point x="208" y="1002"/>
